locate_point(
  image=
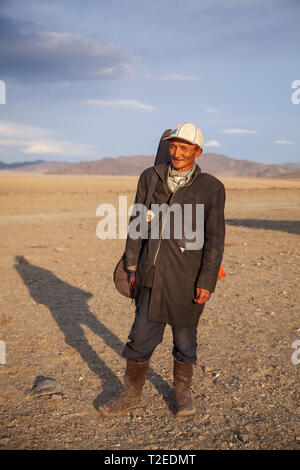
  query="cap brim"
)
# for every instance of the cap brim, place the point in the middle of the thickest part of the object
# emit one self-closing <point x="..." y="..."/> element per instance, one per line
<point x="180" y="138"/>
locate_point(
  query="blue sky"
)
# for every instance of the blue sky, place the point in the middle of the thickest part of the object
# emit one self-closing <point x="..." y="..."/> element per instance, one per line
<point x="104" y="78"/>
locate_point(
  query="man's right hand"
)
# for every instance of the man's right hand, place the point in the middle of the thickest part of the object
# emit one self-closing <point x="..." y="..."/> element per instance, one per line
<point x="131" y="279"/>
<point x="202" y="296"/>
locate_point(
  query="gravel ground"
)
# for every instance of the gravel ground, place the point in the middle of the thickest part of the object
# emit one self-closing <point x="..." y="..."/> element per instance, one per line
<point x="61" y="317"/>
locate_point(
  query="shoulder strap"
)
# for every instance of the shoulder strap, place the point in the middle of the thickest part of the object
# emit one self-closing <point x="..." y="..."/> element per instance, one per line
<point x="162" y="154"/>
<point x="151" y="189"/>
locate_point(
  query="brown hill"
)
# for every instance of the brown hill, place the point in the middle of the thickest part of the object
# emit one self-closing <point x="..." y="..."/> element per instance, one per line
<point x="215" y="164"/>
<point x="39" y="168"/>
<point x="221" y="165"/>
<point x="109" y="166"/>
<point x="295" y="174"/>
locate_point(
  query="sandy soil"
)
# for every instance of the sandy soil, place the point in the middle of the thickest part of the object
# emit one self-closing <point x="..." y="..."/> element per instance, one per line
<point x="61" y="317"/>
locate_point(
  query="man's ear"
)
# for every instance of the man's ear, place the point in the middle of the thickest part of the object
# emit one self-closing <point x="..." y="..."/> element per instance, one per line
<point x="198" y="151"/>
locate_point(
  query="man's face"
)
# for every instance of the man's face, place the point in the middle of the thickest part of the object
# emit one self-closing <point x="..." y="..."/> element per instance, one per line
<point x="183" y="154"/>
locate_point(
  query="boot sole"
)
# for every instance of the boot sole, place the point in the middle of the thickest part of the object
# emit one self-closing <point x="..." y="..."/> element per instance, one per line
<point x="186" y="412"/>
<point x="117" y="413"/>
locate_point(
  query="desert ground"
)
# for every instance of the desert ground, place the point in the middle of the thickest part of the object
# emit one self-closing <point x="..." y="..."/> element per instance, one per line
<point x="61" y="317"/>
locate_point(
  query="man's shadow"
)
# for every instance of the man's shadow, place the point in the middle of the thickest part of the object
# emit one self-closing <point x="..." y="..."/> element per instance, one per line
<point x="289" y="226"/>
<point x="69" y="308"/>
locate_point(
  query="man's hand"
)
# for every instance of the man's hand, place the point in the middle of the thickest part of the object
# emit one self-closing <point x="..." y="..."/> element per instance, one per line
<point x="202" y="295"/>
<point x="131" y="279"/>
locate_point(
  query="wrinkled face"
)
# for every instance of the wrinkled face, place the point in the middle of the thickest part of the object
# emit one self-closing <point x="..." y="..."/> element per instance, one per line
<point x="183" y="154"/>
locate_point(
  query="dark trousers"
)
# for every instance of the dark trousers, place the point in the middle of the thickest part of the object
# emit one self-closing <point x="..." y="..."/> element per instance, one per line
<point x="145" y="335"/>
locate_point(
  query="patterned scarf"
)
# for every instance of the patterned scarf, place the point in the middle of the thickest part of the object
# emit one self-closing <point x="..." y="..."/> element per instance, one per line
<point x="178" y="178"/>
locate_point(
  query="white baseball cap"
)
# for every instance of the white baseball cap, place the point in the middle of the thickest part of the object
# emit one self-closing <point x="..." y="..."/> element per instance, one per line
<point x="189" y="132"/>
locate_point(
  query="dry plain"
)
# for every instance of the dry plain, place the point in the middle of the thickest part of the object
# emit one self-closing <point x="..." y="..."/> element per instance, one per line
<point x="61" y="317"/>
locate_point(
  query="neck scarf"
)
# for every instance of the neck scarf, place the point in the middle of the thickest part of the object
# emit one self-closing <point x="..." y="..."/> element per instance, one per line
<point x="178" y="178"/>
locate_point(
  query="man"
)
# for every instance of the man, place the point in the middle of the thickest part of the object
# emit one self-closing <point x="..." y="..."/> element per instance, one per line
<point x="172" y="277"/>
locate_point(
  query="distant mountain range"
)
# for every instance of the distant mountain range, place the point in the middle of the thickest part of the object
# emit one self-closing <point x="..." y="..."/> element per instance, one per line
<point x="11" y="166"/>
<point x="38" y="166"/>
<point x="215" y="164"/>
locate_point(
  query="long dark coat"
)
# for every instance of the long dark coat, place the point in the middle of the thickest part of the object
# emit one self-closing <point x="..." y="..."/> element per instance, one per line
<point x="177" y="271"/>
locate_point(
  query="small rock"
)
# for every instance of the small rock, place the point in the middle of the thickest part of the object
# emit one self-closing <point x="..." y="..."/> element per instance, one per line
<point x="57" y="396"/>
<point x="4" y="441"/>
<point x="242" y="436"/>
<point x="45" y="386"/>
<point x="12" y="423"/>
<point x="258" y="313"/>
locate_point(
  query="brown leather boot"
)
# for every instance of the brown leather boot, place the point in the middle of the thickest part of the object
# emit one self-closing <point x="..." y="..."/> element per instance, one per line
<point x="183" y="373"/>
<point x="134" y="380"/>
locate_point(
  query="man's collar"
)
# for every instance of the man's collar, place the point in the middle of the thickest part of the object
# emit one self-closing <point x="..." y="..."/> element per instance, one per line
<point x="162" y="171"/>
<point x="174" y="172"/>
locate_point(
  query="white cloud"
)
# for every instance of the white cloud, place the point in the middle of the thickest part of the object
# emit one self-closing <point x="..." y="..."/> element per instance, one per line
<point x="212" y="110"/>
<point x="284" y="142"/>
<point x="209" y="109"/>
<point x="13" y="143"/>
<point x="119" y="104"/>
<point x="213" y="143"/>
<point x="238" y="131"/>
<point x="177" y="76"/>
<point x="35" y="140"/>
<point x="68" y="149"/>
<point x="21" y="131"/>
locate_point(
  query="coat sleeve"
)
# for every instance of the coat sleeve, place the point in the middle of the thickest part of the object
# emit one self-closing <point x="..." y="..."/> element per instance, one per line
<point x="213" y="247"/>
<point x="133" y="246"/>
